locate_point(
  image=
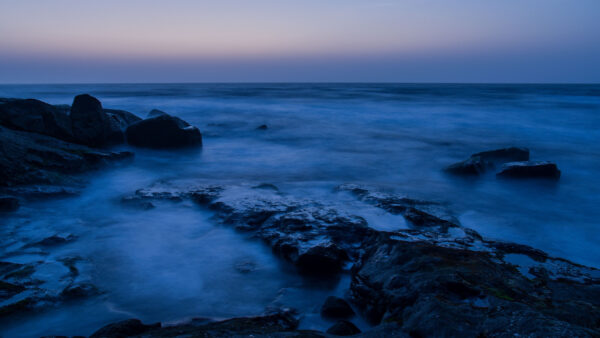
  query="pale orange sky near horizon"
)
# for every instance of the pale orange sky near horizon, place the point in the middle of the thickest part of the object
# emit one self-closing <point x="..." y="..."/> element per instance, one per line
<point x="107" y="36"/>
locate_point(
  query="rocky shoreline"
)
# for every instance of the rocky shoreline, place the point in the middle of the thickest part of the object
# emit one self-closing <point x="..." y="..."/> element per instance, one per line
<point x="432" y="278"/>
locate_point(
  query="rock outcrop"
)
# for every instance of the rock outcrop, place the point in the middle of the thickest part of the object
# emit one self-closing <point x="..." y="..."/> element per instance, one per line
<point x="161" y="130"/>
<point x="530" y="169"/>
<point x="480" y="162"/>
<point x="335" y="307"/>
<point x="31" y="158"/>
<point x="37" y="117"/>
<point x="91" y="125"/>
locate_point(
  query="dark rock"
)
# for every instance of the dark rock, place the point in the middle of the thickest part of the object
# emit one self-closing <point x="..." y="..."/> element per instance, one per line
<point x="322" y="259"/>
<point x="91" y="125"/>
<point x="471" y="166"/>
<point x="435" y="291"/>
<point x="163" y="131"/>
<point x="335" y="307"/>
<point x="343" y="328"/>
<point x="262" y="127"/>
<point x="530" y="169"/>
<point x="155" y="113"/>
<point x="8" y="203"/>
<point x="125" y="328"/>
<point x="8" y="290"/>
<point x="30" y="158"/>
<point x="275" y="325"/>
<point x="35" y="116"/>
<point x="478" y="163"/>
<point x="504" y="155"/>
<point x="123" y="117"/>
<point x="78" y="291"/>
<point x="53" y="241"/>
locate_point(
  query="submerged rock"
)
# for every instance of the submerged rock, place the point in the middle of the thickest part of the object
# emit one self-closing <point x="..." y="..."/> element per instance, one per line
<point x="530" y="169"/>
<point x="335" y="307"/>
<point x="8" y="204"/>
<point x="480" y="162"/>
<point x="161" y="130"/>
<point x="343" y="328"/>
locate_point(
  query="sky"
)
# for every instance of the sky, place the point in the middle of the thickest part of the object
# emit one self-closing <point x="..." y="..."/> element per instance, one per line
<point x="115" y="41"/>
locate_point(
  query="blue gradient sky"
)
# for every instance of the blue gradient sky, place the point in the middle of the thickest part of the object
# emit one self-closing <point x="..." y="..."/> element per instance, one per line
<point x="57" y="41"/>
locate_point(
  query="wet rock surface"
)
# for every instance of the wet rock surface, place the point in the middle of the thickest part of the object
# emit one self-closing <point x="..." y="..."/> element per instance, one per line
<point x="436" y="278"/>
<point x="480" y="162"/>
<point x="335" y="307"/>
<point x="275" y="325"/>
<point x="161" y="130"/>
<point x="31" y="158"/>
<point x="530" y="169"/>
<point x="343" y="328"/>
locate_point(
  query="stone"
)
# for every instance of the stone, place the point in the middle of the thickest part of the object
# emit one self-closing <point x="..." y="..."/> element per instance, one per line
<point x="478" y="163"/>
<point x="125" y="328"/>
<point x="335" y="307"/>
<point x="530" y="169"/>
<point x="91" y="125"/>
<point x="343" y="328"/>
<point x="8" y="203"/>
<point x="163" y="131"/>
<point x="35" y="116"/>
<point x="322" y="259"/>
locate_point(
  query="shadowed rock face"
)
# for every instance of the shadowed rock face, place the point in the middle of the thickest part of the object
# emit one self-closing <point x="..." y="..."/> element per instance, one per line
<point x="30" y="158"/>
<point x="37" y="117"/>
<point x="91" y="125"/>
<point x="275" y="325"/>
<point x="161" y="130"/>
<point x="480" y="162"/>
<point x="343" y="328"/>
<point x="335" y="307"/>
<point x="530" y="169"/>
<point x="435" y="291"/>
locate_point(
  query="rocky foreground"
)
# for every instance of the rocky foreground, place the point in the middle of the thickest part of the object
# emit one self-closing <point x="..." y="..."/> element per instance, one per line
<point x="432" y="277"/>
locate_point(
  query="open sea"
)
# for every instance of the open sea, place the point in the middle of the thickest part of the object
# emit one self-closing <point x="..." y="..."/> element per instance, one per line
<point x="174" y="263"/>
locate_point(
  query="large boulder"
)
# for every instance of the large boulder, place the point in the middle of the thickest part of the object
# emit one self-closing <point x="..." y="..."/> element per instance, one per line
<point x="161" y="130"/>
<point x="91" y="125"/>
<point x="478" y="163"/>
<point x="335" y="307"/>
<point x="31" y="158"/>
<point x="530" y="169"/>
<point x="322" y="259"/>
<point x="343" y="328"/>
<point x="35" y="116"/>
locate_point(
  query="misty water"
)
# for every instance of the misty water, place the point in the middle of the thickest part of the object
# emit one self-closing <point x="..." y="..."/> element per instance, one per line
<point x="175" y="262"/>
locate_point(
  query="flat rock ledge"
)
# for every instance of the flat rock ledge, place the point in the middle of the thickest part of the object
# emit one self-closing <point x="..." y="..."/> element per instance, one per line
<point x="434" y="278"/>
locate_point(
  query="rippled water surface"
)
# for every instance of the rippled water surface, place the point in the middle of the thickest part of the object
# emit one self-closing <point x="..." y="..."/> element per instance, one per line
<point x="174" y="262"/>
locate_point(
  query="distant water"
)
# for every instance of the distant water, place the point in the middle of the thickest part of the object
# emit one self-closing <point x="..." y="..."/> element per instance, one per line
<point x="397" y="136"/>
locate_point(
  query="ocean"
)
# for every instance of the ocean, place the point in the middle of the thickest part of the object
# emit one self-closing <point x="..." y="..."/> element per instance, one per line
<point x="174" y="263"/>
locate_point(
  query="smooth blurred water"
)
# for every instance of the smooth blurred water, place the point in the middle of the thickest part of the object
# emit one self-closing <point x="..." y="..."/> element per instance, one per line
<point x="397" y="136"/>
